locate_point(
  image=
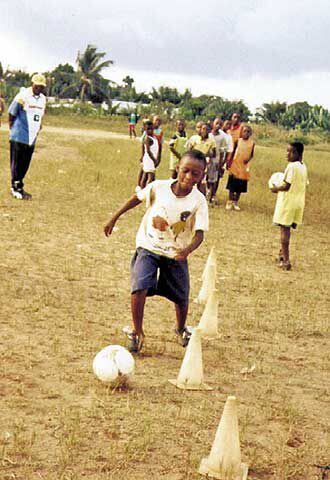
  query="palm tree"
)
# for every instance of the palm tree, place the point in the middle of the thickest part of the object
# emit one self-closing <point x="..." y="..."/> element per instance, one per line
<point x="88" y="77"/>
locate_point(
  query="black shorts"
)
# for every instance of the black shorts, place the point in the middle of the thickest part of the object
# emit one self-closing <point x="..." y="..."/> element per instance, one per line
<point x="236" y="184"/>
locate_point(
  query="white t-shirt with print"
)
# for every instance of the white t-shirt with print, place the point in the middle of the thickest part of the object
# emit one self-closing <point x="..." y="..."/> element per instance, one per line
<point x="230" y="145"/>
<point x="184" y="216"/>
<point x="221" y="144"/>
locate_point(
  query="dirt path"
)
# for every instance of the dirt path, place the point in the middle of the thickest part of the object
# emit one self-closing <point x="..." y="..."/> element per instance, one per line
<point x="80" y="132"/>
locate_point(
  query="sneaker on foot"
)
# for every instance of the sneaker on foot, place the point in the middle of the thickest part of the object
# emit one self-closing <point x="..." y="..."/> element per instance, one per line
<point x="20" y="194"/>
<point x="135" y="341"/>
<point x="286" y="266"/>
<point x="229" y="205"/>
<point x="236" y="207"/>
<point x="183" y="335"/>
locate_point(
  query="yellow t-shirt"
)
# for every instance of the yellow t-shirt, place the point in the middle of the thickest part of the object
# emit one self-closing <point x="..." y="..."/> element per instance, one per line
<point x="178" y="142"/>
<point x="206" y="146"/>
<point x="290" y="205"/>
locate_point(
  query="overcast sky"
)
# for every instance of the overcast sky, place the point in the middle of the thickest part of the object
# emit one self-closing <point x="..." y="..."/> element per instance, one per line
<point x="256" y="50"/>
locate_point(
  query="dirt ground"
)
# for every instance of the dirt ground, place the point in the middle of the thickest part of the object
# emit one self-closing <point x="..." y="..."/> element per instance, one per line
<point x="65" y="295"/>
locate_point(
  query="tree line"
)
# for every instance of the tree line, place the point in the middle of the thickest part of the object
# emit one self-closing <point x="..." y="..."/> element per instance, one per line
<point x="85" y="82"/>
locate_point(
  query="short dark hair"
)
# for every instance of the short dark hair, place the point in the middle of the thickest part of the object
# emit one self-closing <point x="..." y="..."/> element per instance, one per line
<point x="196" y="155"/>
<point x="148" y="123"/>
<point x="299" y="148"/>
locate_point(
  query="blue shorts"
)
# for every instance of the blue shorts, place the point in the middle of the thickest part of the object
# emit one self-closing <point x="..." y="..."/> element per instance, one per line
<point x="160" y="276"/>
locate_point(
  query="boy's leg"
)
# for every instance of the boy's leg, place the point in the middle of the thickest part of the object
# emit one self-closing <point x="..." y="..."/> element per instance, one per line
<point x="138" y="300"/>
<point x="150" y="177"/>
<point x="285" y="243"/>
<point x="181" y="310"/>
<point x="184" y="334"/>
<point x="139" y="180"/>
<point x="143" y="181"/>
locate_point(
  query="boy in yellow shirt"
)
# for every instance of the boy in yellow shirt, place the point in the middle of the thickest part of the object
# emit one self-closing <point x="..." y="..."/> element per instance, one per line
<point x="205" y="144"/>
<point x="290" y="200"/>
<point x="177" y="146"/>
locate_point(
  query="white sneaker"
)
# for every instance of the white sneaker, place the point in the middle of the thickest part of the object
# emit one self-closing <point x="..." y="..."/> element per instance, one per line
<point x="138" y="189"/>
<point x="20" y="194"/>
<point x="236" y="207"/>
<point x="16" y="194"/>
<point x="229" y="205"/>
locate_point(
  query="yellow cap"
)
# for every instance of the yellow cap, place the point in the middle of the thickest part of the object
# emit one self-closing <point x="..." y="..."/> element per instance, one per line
<point x="39" y="79"/>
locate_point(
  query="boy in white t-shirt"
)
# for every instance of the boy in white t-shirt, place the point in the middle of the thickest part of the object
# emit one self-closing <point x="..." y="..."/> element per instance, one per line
<point x="172" y="227"/>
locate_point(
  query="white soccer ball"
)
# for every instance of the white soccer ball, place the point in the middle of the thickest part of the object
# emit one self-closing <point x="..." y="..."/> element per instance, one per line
<point x="276" y="179"/>
<point x="112" y="363"/>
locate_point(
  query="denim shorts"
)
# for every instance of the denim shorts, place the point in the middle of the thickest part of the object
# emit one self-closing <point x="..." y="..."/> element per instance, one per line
<point x="160" y="276"/>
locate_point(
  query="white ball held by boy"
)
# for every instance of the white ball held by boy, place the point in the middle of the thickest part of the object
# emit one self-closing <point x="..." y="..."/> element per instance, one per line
<point x="276" y="180"/>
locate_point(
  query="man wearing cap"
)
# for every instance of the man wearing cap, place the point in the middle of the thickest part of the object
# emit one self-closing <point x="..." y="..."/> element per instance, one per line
<point x="25" y="115"/>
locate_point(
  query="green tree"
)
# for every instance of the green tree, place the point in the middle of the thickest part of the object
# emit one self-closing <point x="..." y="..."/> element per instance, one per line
<point x="88" y="79"/>
<point x="128" y="82"/>
<point x="272" y="112"/>
<point x="60" y="78"/>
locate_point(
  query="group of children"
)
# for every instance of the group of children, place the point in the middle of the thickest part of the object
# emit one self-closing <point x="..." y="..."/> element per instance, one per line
<point x="225" y="144"/>
<point x="177" y="212"/>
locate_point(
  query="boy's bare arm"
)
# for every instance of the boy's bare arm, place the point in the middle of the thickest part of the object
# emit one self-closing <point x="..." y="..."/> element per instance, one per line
<point x="195" y="243"/>
<point x="11" y="120"/>
<point x="131" y="203"/>
<point x="142" y="152"/>
<point x="172" y="149"/>
<point x="282" y="188"/>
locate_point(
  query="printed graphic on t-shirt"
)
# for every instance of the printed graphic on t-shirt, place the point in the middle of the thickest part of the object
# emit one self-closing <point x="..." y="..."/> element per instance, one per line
<point x="180" y="226"/>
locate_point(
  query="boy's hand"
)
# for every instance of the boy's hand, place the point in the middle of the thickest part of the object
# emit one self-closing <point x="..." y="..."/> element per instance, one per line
<point x="109" y="228"/>
<point x="182" y="254"/>
<point x="159" y="223"/>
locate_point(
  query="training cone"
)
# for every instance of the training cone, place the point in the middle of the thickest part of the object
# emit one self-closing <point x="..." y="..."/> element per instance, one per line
<point x="191" y="372"/>
<point x="224" y="461"/>
<point x="208" y="284"/>
<point x="211" y="260"/>
<point x="209" y="321"/>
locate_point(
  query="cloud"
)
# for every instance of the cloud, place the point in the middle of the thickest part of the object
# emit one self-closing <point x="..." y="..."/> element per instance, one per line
<point x="216" y="38"/>
<point x="242" y="48"/>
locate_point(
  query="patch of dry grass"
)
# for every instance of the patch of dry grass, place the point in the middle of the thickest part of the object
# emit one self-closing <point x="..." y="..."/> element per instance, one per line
<point x="65" y="295"/>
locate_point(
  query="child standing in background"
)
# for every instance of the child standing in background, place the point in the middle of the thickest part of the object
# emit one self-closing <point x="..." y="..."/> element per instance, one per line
<point x="195" y="137"/>
<point x="177" y="146"/>
<point x="239" y="171"/>
<point x="290" y="200"/>
<point x="205" y="144"/>
<point x="236" y="128"/>
<point x="150" y="156"/>
<point x="158" y="133"/>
